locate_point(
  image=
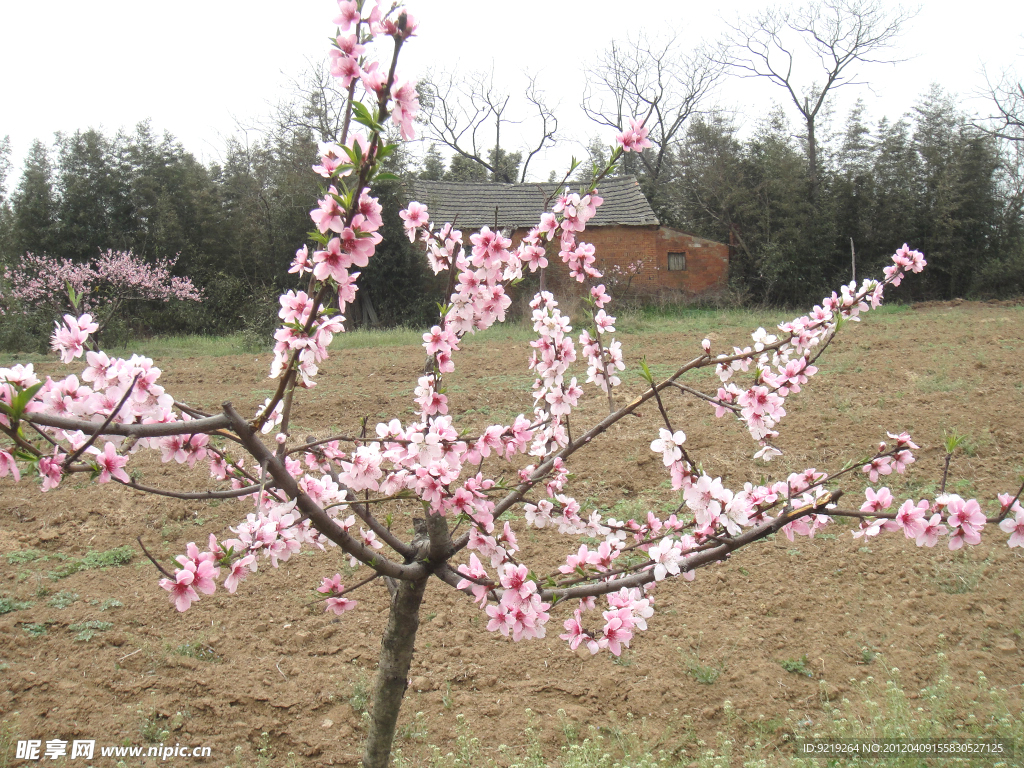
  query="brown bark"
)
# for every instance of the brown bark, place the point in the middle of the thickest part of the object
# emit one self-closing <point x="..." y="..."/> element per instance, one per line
<point x="396" y="650"/>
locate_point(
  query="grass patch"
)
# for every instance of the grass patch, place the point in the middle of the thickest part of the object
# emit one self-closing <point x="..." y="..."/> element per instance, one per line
<point x="22" y="557"/>
<point x="197" y="650"/>
<point x="35" y="630"/>
<point x="960" y="575"/>
<point x="87" y="629"/>
<point x="7" y="605"/>
<point x="797" y="666"/>
<point x="109" y="559"/>
<point x="705" y="674"/>
<point x="62" y="600"/>
<point x="360" y="695"/>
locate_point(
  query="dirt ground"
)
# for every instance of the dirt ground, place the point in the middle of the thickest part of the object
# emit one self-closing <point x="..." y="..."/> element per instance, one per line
<point x="269" y="660"/>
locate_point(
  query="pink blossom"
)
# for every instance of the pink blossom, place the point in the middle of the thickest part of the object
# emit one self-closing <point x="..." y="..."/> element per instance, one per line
<point x="965" y="521"/>
<point x="239" y="570"/>
<point x="112" y="465"/>
<point x="617" y="631"/>
<point x="51" y="469"/>
<point x="413" y="218"/>
<point x="634" y="138"/>
<point x="880" y="465"/>
<point x="575" y="634"/>
<point x="475" y="570"/>
<point x="9" y="465"/>
<point x="1013" y="525"/>
<point x="876" y="500"/>
<point x="911" y="518"/>
<point x="669" y="445"/>
<point x="329" y="215"/>
<point x="930" y="531"/>
<point x="70" y="337"/>
<point x="182" y="593"/>
<point x="406" y="105"/>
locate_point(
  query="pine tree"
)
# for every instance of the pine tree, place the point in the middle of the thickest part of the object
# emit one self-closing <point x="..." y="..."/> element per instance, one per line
<point x="34" y="205"/>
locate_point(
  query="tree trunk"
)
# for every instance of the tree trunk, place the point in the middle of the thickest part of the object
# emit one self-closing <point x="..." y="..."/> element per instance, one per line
<point x="812" y="159"/>
<point x="396" y="650"/>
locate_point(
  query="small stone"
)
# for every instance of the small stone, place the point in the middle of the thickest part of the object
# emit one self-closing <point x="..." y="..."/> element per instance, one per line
<point x="327" y="723"/>
<point x="420" y="683"/>
<point x="1005" y="645"/>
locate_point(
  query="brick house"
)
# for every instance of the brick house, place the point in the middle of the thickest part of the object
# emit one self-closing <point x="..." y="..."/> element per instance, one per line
<point x="623" y="231"/>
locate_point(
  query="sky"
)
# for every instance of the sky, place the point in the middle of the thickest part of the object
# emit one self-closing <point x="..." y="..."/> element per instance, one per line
<point x="204" y="70"/>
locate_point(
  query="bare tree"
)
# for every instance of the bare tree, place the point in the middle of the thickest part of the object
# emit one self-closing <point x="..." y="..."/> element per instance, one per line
<point x="1008" y="98"/>
<point x="468" y="114"/>
<point x="654" y="81"/>
<point x="813" y="50"/>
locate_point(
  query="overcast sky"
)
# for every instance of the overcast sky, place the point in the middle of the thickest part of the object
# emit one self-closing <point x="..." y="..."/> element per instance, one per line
<point x="200" y="68"/>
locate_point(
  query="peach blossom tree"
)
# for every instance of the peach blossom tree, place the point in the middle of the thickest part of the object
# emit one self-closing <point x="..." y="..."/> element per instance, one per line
<point x="348" y="493"/>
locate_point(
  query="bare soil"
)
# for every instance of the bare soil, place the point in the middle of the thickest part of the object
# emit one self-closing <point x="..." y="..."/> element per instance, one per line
<point x="269" y="660"/>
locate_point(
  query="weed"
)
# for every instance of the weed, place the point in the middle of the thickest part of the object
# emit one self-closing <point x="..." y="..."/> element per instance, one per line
<point x="360" y="693"/>
<point x="960" y="575"/>
<point x="153" y="728"/>
<point x="265" y="752"/>
<point x="705" y="674"/>
<point x="62" y="600"/>
<point x="624" y="659"/>
<point x="35" y="630"/>
<point x="22" y="557"/>
<point x="7" y="605"/>
<point x="111" y="603"/>
<point x="91" y="560"/>
<point x="446" y="698"/>
<point x="87" y="629"/>
<point x="197" y="650"/>
<point x="416" y="730"/>
<point x="7" y="743"/>
<point x="797" y="666"/>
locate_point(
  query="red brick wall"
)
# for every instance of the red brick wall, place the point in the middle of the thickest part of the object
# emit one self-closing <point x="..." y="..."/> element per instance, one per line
<point x="707" y="262"/>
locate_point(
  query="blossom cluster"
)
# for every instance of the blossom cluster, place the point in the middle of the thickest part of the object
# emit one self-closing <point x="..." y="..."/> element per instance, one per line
<point x="39" y="279"/>
<point x="356" y="29"/>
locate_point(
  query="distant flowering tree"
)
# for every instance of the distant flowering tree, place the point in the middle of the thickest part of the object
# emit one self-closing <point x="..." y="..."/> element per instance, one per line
<point x="354" y="490"/>
<point x="100" y="287"/>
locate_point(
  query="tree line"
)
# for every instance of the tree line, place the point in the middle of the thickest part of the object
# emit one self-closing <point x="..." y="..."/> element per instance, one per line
<point x="805" y="204"/>
<point x="233" y="225"/>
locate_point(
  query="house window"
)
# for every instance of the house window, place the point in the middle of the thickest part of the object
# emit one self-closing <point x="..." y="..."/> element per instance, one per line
<point x="676" y="262"/>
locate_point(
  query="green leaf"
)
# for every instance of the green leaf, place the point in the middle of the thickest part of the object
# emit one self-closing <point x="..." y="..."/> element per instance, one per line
<point x="20" y="400"/>
<point x="646" y="372"/>
<point x="73" y="296"/>
<point x="388" y="176"/>
<point x="363" y="116"/>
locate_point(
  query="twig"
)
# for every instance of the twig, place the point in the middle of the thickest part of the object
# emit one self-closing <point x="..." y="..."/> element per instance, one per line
<point x="99" y="430"/>
<point x="153" y="560"/>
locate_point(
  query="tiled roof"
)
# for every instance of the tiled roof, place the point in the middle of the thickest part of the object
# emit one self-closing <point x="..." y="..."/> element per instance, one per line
<point x="472" y="204"/>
